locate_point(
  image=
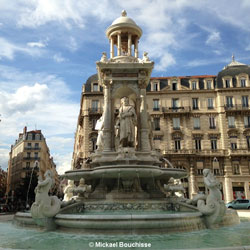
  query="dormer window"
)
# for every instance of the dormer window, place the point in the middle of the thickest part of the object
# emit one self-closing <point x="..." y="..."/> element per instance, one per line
<point x="227" y="83"/>
<point x="155" y="86"/>
<point x="209" y="84"/>
<point x="95" y="86"/>
<point x="174" y="86"/>
<point x="194" y="85"/>
<point x="243" y="82"/>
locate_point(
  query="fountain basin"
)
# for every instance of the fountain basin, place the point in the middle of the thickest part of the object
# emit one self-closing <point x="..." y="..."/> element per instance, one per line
<point x="126" y="171"/>
<point x="130" y="222"/>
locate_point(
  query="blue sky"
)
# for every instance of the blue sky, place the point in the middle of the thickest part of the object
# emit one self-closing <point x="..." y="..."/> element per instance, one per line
<point x="49" y="48"/>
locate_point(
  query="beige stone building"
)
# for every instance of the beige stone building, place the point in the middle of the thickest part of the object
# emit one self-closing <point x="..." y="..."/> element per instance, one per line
<point x="198" y="122"/>
<point x="30" y="147"/>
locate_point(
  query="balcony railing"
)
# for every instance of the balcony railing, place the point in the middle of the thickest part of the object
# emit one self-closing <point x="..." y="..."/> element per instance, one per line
<point x="32" y="148"/>
<point x="236" y="107"/>
<point x="95" y="110"/>
<point x="171" y="110"/>
<point x="32" y="158"/>
<point x="196" y="151"/>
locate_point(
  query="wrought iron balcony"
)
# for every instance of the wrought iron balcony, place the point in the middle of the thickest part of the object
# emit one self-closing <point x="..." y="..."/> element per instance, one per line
<point x="172" y="110"/>
<point x="95" y="110"/>
<point x="237" y="107"/>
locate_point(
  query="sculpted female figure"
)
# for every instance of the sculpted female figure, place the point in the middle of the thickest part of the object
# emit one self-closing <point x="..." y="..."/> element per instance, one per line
<point x="45" y="205"/>
<point x="126" y="123"/>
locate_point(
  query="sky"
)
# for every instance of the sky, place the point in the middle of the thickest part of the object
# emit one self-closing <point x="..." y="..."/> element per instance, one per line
<point x="48" y="49"/>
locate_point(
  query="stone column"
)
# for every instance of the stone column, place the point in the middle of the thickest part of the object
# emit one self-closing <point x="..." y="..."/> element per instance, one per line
<point x="111" y="47"/>
<point x="107" y="119"/>
<point x="228" y="194"/>
<point x="246" y="188"/>
<point x="136" y="47"/>
<point x="145" y="145"/>
<point x="192" y="187"/>
<point x="129" y="44"/>
<point x="119" y="44"/>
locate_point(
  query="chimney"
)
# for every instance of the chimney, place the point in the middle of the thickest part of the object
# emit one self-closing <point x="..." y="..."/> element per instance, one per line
<point x="24" y="130"/>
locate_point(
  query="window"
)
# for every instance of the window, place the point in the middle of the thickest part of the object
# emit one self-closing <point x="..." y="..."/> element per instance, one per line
<point x="28" y="155"/>
<point x="229" y="101"/>
<point x="36" y="145"/>
<point x="95" y="105"/>
<point x="227" y="83"/>
<point x="177" y="144"/>
<point x="175" y="103"/>
<point x="93" y="144"/>
<point x="210" y="103"/>
<point x="233" y="142"/>
<point x="231" y="122"/>
<point x="209" y="84"/>
<point x="27" y="164"/>
<point x="156" y="105"/>
<point x="212" y="123"/>
<point x="198" y="144"/>
<point x="195" y="103"/>
<point x="248" y="142"/>
<point x="95" y="87"/>
<point x="213" y="144"/>
<point x="29" y="145"/>
<point x="155" y="86"/>
<point x="36" y="155"/>
<point x="247" y="121"/>
<point x="245" y="101"/>
<point x="157" y="124"/>
<point x="94" y="121"/>
<point x="174" y="86"/>
<point x="199" y="165"/>
<point x="176" y="123"/>
<point x="196" y="122"/>
<point x="233" y="145"/>
<point x="236" y="168"/>
<point x="216" y="171"/>
<point x="243" y="82"/>
<point x="194" y="85"/>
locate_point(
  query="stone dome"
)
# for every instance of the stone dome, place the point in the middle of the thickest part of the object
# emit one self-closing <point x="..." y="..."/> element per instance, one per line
<point x="124" y="22"/>
<point x="123" y="19"/>
<point x="232" y="69"/>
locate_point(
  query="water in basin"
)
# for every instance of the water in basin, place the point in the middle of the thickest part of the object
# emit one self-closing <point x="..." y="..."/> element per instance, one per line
<point x="12" y="237"/>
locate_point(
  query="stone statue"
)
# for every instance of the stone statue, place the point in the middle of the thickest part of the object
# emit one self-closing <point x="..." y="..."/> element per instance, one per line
<point x="45" y="205"/>
<point x="100" y="126"/>
<point x="175" y="188"/>
<point x="145" y="57"/>
<point x="127" y="120"/>
<point x="104" y="57"/>
<point x="210" y="204"/>
<point x="68" y="191"/>
<point x="82" y="190"/>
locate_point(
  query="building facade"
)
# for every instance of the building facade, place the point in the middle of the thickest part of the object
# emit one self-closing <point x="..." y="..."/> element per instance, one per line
<point x="3" y="184"/>
<point x="197" y="121"/>
<point x="29" y="151"/>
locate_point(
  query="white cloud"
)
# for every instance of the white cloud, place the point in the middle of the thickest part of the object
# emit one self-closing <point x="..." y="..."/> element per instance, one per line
<point x="9" y="49"/>
<point x="36" y="44"/>
<point x="26" y="98"/>
<point x="73" y="46"/>
<point x="63" y="162"/>
<point x="58" y="58"/>
<point x="45" y="105"/>
<point x="213" y="38"/>
<point x="4" y="157"/>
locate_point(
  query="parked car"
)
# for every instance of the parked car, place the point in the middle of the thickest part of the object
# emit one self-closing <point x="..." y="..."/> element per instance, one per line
<point x="239" y="204"/>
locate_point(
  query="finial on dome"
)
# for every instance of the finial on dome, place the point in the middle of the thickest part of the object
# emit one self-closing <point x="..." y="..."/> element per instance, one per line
<point x="233" y="59"/>
<point x="124" y="13"/>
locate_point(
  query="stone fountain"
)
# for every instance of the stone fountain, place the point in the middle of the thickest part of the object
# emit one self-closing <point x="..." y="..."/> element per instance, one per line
<point x="126" y="187"/>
